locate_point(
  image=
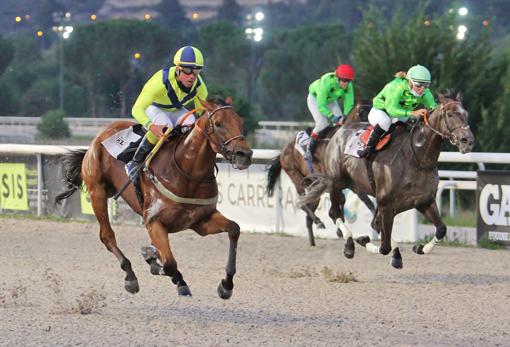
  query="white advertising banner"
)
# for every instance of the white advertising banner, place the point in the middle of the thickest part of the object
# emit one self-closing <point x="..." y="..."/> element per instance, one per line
<point x="243" y="199"/>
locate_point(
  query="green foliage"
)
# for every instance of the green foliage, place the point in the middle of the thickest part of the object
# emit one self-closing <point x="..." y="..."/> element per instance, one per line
<point x="484" y="242"/>
<point x="53" y="125"/>
<point x="229" y="11"/>
<point x="100" y="58"/>
<point x="294" y="59"/>
<point x="172" y="15"/>
<point x="226" y="53"/>
<point x="6" y="53"/>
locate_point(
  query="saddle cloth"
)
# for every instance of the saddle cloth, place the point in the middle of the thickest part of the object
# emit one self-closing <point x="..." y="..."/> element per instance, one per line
<point x="302" y="141"/>
<point x="354" y="144"/>
<point x="122" y="145"/>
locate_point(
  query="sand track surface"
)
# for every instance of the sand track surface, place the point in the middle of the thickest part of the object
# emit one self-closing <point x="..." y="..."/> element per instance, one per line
<point x="59" y="286"/>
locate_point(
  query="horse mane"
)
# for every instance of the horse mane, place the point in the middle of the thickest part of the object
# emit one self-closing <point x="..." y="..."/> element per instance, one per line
<point x="216" y="99"/>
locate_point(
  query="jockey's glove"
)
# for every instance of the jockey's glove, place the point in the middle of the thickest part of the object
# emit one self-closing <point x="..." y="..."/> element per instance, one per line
<point x="334" y="119"/>
<point x="177" y="129"/>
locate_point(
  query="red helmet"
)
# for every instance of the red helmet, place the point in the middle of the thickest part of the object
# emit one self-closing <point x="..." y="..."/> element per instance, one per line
<point x="345" y="71"/>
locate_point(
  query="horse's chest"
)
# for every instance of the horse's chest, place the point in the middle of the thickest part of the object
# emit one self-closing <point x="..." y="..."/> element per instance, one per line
<point x="176" y="217"/>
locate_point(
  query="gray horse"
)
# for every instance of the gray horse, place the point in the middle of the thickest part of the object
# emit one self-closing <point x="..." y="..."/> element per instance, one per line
<point x="404" y="174"/>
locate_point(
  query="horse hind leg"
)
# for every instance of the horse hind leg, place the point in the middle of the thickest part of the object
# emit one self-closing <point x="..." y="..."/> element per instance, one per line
<point x="159" y="238"/>
<point x="431" y="213"/>
<point x="98" y="198"/>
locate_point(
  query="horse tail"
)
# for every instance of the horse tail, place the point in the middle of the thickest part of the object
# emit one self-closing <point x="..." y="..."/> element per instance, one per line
<point x="273" y="174"/>
<point x="315" y="189"/>
<point x="71" y="171"/>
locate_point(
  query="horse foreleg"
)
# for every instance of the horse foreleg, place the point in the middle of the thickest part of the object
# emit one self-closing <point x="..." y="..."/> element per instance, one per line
<point x="336" y="213"/>
<point x="431" y="212"/>
<point x="98" y="199"/>
<point x="217" y="224"/>
<point x="309" y="228"/>
<point x="387" y="216"/>
<point x="159" y="238"/>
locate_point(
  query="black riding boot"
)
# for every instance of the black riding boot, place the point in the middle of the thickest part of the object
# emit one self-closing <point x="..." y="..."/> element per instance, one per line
<point x="141" y="152"/>
<point x="375" y="135"/>
<point x="310" y="149"/>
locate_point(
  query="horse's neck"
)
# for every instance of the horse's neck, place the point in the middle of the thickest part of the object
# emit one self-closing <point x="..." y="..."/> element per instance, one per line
<point x="190" y="161"/>
<point x="428" y="153"/>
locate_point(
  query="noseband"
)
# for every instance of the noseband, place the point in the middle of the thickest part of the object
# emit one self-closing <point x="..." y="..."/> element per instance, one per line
<point x="223" y="145"/>
<point x="454" y="140"/>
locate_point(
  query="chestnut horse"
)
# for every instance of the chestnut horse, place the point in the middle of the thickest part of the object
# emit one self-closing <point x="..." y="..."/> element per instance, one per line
<point x="298" y="170"/>
<point x="179" y="190"/>
<point x="405" y="174"/>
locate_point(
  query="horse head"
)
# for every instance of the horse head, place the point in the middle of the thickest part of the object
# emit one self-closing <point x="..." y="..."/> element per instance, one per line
<point x="450" y="121"/>
<point x="224" y="130"/>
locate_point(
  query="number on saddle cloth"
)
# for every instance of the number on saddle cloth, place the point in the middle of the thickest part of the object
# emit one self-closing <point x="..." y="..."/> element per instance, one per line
<point x="302" y="141"/>
<point x="123" y="144"/>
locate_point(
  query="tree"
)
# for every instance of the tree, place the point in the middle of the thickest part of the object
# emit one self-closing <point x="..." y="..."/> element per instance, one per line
<point x="172" y="15"/>
<point x="226" y="52"/>
<point x="229" y="11"/>
<point x="294" y="59"/>
<point x="101" y="58"/>
<point x="6" y="53"/>
<point x="384" y="46"/>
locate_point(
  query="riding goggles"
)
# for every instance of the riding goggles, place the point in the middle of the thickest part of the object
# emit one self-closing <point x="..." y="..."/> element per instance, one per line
<point x="344" y="80"/>
<point x="420" y="84"/>
<point x="190" y="70"/>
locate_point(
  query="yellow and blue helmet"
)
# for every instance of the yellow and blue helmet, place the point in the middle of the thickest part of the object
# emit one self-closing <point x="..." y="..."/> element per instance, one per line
<point x="189" y="56"/>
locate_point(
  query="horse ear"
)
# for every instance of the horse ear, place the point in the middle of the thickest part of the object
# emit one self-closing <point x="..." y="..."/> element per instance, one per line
<point x="441" y="98"/>
<point x="459" y="96"/>
<point x="229" y="101"/>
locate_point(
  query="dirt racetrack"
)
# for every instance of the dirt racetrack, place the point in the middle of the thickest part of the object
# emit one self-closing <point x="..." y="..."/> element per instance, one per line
<point x="60" y="287"/>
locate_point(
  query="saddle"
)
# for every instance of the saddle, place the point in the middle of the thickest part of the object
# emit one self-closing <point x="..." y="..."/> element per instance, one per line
<point x="383" y="141"/>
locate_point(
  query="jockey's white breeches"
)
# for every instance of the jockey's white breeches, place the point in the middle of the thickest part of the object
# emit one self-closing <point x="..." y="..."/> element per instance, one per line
<point x="381" y="118"/>
<point x="170" y="118"/>
<point x="321" y="122"/>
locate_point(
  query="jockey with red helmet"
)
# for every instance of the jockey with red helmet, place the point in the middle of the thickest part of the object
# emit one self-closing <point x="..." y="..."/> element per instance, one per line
<point x="165" y="100"/>
<point x="322" y="101"/>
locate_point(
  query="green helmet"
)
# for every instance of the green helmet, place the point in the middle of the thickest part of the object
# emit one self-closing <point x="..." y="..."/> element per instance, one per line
<point x="418" y="73"/>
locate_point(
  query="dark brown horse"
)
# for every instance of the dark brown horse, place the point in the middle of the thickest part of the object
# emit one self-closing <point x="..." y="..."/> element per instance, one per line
<point x="298" y="170"/>
<point x="179" y="190"/>
<point x="405" y="173"/>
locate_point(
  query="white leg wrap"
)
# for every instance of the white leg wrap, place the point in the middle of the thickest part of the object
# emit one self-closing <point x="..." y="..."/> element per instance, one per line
<point x="430" y="246"/>
<point x="371" y="248"/>
<point x="345" y="230"/>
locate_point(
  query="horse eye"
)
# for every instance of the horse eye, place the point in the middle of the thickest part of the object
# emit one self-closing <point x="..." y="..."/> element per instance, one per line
<point x="217" y="124"/>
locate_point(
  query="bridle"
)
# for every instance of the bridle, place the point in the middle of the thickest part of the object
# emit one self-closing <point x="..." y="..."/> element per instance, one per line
<point x="223" y="145"/>
<point x="454" y="140"/>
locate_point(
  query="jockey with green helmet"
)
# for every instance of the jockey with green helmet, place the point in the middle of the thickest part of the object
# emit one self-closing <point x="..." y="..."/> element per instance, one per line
<point x="166" y="98"/>
<point x="397" y="102"/>
<point x="322" y="101"/>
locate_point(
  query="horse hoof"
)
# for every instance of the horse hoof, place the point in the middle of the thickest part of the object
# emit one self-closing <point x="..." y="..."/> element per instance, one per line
<point x="363" y="240"/>
<point x="349" y="248"/>
<point x="397" y="263"/>
<point x="132" y="286"/>
<point x="224" y="293"/>
<point x="418" y="249"/>
<point x="321" y="225"/>
<point x="339" y="233"/>
<point x="183" y="291"/>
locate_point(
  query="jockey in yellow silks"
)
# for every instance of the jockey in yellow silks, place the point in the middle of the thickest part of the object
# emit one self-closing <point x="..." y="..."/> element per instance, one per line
<point x="166" y="98"/>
